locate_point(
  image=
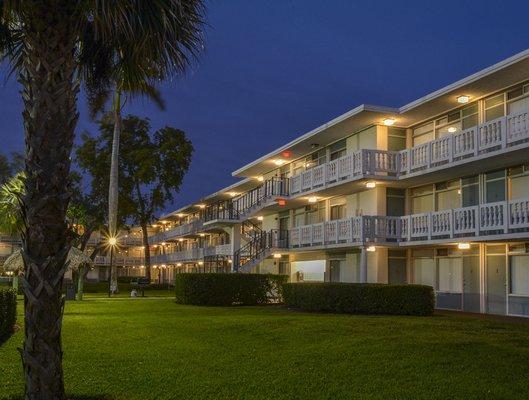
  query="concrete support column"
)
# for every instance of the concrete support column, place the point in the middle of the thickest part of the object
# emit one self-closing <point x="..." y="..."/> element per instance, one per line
<point x="363" y="265"/>
<point x="235" y="240"/>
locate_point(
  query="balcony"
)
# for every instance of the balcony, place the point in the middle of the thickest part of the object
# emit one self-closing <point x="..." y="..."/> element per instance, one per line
<point x="495" y="137"/>
<point x="492" y="221"/>
<point x="119" y="261"/>
<point x="190" y="228"/>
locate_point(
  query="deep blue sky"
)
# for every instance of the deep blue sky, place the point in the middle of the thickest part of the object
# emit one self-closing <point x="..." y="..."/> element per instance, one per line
<point x="273" y="70"/>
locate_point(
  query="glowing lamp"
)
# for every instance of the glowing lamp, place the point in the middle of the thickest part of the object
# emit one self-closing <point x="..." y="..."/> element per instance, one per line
<point x="463" y="99"/>
<point x="463" y="246"/>
<point x="281" y="202"/>
<point x="371" y="185"/>
<point x="389" y="121"/>
<point x="201" y="263"/>
<point x="313" y="199"/>
<point x="112" y="241"/>
<point x="277" y="255"/>
<point x="452" y="129"/>
<point x="260" y="178"/>
<point x="260" y="218"/>
<point x="178" y="264"/>
<point x="279" y="162"/>
<point x="371" y="249"/>
<point x="286" y="154"/>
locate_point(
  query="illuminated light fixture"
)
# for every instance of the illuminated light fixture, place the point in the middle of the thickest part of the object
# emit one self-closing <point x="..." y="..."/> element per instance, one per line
<point x="201" y="263"/>
<point x="181" y="215"/>
<point x="230" y="261"/>
<point x="371" y="249"/>
<point x="202" y="206"/>
<point x="163" y="243"/>
<point x="260" y="178"/>
<point x="452" y="129"/>
<point x="112" y="241"/>
<point x="155" y="246"/>
<point x="154" y="225"/>
<point x="155" y="266"/>
<point x="371" y="184"/>
<point x="463" y="99"/>
<point x="163" y="266"/>
<point x="202" y="234"/>
<point x="458" y="191"/>
<point x="313" y="199"/>
<point x="180" y="240"/>
<point x="286" y="154"/>
<point x="463" y="246"/>
<point x="164" y="222"/>
<point x="277" y="255"/>
<point x="282" y="202"/>
<point x="260" y="218"/>
<point x="389" y="121"/>
<point x="279" y="162"/>
<point x="178" y="264"/>
<point x="233" y="194"/>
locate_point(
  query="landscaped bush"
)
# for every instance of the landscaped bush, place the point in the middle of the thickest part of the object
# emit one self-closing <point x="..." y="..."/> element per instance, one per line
<point x="102" y="287"/>
<point x="8" y="312"/>
<point x="228" y="289"/>
<point x="357" y="298"/>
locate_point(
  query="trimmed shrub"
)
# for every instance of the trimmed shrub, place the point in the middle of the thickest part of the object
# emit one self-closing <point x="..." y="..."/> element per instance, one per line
<point x="8" y="312"/>
<point x="358" y="298"/>
<point x="212" y="289"/>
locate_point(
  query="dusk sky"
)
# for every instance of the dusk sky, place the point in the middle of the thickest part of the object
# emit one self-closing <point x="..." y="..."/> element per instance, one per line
<point x="272" y="70"/>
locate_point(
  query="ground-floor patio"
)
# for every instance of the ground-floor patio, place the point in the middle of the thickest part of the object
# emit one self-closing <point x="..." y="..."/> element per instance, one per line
<point x="153" y="348"/>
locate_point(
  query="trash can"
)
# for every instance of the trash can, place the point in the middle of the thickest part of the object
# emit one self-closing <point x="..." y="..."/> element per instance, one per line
<point x="70" y="291"/>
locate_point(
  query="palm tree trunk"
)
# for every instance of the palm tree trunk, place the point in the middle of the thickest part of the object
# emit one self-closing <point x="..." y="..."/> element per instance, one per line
<point x="49" y="91"/>
<point x="113" y="185"/>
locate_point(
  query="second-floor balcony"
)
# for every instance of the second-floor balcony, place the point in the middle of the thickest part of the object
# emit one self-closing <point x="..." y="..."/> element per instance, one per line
<point x="492" y="221"/>
<point x="194" y="254"/>
<point x="491" y="138"/>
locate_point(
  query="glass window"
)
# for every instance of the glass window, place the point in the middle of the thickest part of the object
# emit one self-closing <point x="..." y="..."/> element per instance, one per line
<point x="495" y="186"/>
<point x="451" y="275"/>
<point x="423" y="133"/>
<point x="422" y="199"/>
<point x="395" y="202"/>
<point x="338" y="149"/>
<point x="396" y="139"/>
<point x="519" y="273"/>
<point x="338" y="212"/>
<point x="494" y="107"/>
<point x="424" y="271"/>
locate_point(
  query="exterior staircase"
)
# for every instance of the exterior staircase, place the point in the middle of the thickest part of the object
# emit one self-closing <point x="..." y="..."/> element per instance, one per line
<point x="259" y="248"/>
<point x="251" y="202"/>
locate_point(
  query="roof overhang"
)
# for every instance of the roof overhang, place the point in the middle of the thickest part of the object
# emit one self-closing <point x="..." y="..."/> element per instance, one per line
<point x="506" y="73"/>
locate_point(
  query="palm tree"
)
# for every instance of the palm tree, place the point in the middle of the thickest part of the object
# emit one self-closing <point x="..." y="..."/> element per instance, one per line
<point x="53" y="45"/>
<point x="122" y="84"/>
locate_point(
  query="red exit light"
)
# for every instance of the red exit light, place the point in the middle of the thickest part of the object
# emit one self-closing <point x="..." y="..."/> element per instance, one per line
<point x="281" y="202"/>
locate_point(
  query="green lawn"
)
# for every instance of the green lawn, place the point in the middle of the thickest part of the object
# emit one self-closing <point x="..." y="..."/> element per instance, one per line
<point x="156" y="349"/>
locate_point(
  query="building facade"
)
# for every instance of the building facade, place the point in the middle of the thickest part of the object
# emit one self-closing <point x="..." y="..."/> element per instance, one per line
<point x="435" y="192"/>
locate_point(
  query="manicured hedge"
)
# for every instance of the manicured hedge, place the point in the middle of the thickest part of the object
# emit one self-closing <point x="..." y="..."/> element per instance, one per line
<point x="212" y="289"/>
<point x="8" y="312"/>
<point x="357" y="298"/>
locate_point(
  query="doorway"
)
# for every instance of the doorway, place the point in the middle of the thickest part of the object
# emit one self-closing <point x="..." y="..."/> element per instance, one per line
<point x="496" y="279"/>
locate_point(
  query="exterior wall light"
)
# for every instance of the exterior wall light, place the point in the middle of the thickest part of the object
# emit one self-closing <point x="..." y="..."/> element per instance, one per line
<point x="260" y="218"/>
<point x="178" y="264"/>
<point x="201" y="206"/>
<point x="279" y="162"/>
<point x="371" y="185"/>
<point x="277" y="255"/>
<point x="389" y="121"/>
<point x="201" y="263"/>
<point x="313" y="199"/>
<point x="202" y="234"/>
<point x="452" y="129"/>
<point x="260" y="178"/>
<point x="286" y="154"/>
<point x="463" y="246"/>
<point x="463" y="99"/>
<point x="233" y="194"/>
<point x="371" y="249"/>
<point x="281" y="202"/>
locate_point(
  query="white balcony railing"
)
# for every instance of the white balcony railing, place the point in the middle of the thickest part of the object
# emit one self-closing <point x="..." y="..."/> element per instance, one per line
<point x="492" y="136"/>
<point x="498" y="218"/>
<point x="123" y="261"/>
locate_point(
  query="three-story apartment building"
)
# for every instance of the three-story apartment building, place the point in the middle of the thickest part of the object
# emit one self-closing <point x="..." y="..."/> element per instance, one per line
<point x="434" y="192"/>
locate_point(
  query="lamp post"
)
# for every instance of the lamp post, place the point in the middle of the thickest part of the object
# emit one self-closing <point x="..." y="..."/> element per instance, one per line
<point x="112" y="241"/>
